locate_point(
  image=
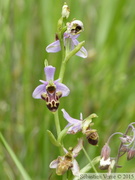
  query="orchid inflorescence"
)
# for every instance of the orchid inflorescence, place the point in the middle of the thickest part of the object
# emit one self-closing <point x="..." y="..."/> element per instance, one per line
<point x="52" y="90"/>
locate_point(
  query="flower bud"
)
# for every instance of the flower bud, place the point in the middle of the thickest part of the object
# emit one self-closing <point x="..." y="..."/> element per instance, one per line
<point x="130" y="154"/>
<point x="126" y="139"/>
<point x="105" y="161"/>
<point x="124" y="149"/>
<point x="65" y="11"/>
<point x="105" y="152"/>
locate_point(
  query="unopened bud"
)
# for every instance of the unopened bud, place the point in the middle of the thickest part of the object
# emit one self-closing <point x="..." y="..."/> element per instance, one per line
<point x="45" y="62"/>
<point x="65" y="11"/>
<point x="126" y="139"/>
<point x="130" y="154"/>
<point x="124" y="149"/>
<point x="105" y="153"/>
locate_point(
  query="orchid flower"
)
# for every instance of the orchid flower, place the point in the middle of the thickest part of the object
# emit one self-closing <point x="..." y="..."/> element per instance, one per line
<point x="68" y="161"/>
<point x="76" y="125"/>
<point x="50" y="90"/>
<point x="70" y="39"/>
<point x="105" y="161"/>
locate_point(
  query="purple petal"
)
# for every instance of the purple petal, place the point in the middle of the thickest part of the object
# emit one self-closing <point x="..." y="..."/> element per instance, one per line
<point x="69" y="124"/>
<point x="75" y="36"/>
<point x="38" y="91"/>
<point x="44" y="82"/>
<point x="75" y="169"/>
<point x="70" y="119"/>
<point x="65" y="150"/>
<point x="54" y="164"/>
<point x="78" y="148"/>
<point x="82" y="52"/>
<point x="62" y="88"/>
<point x="53" y="47"/>
<point x="49" y="72"/>
<point x="75" y="128"/>
<point x="69" y="35"/>
<point x="57" y="81"/>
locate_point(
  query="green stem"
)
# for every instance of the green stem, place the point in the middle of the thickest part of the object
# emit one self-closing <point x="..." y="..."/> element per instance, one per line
<point x="16" y="161"/>
<point x="89" y="160"/>
<point x="62" y="71"/>
<point x="119" y="150"/>
<point x="58" y="129"/>
<point x="67" y="57"/>
<point x="74" y="51"/>
<point x="86" y="168"/>
<point x="61" y="31"/>
<point x="57" y="122"/>
<point x="62" y="47"/>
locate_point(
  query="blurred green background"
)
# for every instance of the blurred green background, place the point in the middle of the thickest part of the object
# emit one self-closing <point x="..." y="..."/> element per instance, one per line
<point x="104" y="83"/>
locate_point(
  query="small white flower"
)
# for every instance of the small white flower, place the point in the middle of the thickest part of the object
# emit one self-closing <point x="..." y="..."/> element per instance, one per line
<point x="104" y="164"/>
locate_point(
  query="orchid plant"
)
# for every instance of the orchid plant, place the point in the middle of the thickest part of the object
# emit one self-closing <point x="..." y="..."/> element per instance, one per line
<point x="52" y="90"/>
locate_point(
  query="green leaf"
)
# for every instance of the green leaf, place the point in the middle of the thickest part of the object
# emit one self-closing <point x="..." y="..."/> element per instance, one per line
<point x="62" y="134"/>
<point x="88" y="166"/>
<point x="53" y="139"/>
<point x="74" y="51"/>
<point x="16" y="161"/>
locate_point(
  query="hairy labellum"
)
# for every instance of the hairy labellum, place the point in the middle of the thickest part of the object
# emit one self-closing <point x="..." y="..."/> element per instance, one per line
<point x="51" y="98"/>
<point x="64" y="165"/>
<point x="53" y="105"/>
<point x="92" y="137"/>
<point x="76" y="30"/>
<point x="92" y="141"/>
<point x="68" y="161"/>
<point x="75" y="27"/>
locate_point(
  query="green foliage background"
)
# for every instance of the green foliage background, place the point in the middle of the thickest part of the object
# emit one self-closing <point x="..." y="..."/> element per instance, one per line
<point x="104" y="83"/>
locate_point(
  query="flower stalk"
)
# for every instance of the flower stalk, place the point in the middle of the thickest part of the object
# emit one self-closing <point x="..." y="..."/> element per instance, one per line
<point x="57" y="122"/>
<point x="88" y="157"/>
